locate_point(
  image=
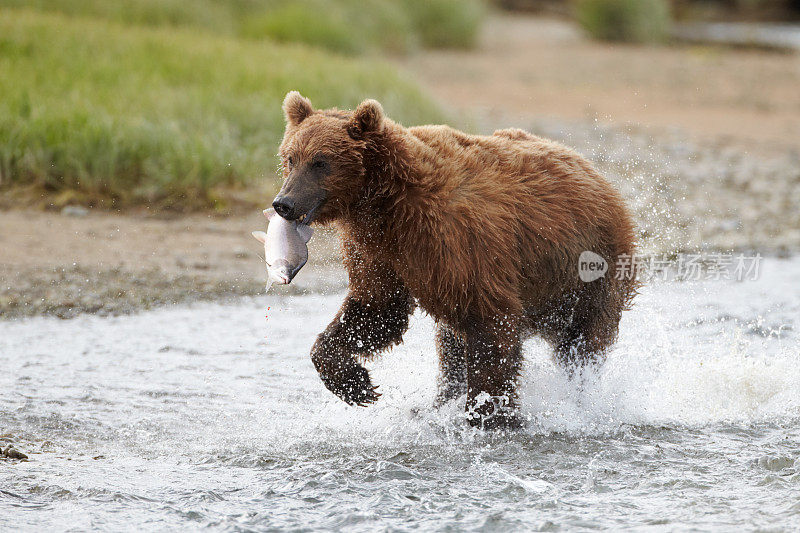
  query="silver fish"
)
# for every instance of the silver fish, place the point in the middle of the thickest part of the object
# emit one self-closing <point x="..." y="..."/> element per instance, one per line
<point x="285" y="249"/>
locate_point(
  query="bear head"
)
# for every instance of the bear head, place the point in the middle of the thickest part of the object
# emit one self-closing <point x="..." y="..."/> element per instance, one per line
<point x="322" y="156"/>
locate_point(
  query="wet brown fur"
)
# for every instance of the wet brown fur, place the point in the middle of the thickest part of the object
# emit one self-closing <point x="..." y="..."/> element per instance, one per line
<point x="483" y="232"/>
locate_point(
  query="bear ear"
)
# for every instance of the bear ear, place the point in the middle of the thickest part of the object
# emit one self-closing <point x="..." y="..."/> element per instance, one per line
<point x="296" y="108"/>
<point x="368" y="117"/>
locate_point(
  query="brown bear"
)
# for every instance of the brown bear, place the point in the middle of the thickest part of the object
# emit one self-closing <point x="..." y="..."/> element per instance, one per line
<point x="483" y="232"/>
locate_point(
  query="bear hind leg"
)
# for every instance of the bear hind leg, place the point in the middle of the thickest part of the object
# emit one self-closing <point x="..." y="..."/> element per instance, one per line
<point x="590" y="331"/>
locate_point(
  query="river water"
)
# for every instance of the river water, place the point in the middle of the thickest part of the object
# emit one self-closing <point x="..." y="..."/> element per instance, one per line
<point x="213" y="416"/>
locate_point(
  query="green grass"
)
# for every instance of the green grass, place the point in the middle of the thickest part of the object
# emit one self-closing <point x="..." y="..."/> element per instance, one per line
<point x="446" y="23"/>
<point x="128" y="115"/>
<point x="345" y="26"/>
<point x="208" y="14"/>
<point x="639" y="21"/>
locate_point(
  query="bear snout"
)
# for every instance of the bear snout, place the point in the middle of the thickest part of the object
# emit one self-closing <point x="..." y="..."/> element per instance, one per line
<point x="284" y="206"/>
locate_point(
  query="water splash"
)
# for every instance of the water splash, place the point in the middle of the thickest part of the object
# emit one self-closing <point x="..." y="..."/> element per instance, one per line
<point x="202" y="419"/>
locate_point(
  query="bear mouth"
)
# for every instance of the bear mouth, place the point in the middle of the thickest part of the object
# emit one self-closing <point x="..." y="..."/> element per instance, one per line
<point x="308" y="218"/>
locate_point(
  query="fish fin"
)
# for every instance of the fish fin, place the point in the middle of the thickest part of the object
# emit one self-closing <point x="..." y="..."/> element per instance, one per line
<point x="269" y="213"/>
<point x="260" y="236"/>
<point x="305" y="232"/>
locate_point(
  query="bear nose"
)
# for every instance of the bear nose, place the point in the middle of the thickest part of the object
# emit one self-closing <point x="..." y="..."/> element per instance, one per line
<point x="284" y="207"/>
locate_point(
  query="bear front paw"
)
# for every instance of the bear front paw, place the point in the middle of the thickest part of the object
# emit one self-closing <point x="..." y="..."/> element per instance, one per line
<point x="352" y="384"/>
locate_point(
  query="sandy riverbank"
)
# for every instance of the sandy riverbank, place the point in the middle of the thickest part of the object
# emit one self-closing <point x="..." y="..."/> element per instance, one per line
<point x="63" y="264"/>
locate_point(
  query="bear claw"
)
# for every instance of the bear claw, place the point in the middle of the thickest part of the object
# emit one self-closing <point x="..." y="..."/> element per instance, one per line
<point x="368" y="396"/>
<point x="353" y="385"/>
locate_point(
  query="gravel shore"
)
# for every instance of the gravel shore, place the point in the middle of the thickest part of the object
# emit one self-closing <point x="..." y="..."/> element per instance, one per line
<point x="64" y="264"/>
<point x="688" y="196"/>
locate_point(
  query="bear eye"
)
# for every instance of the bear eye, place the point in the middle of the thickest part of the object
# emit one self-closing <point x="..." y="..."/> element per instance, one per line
<point x="289" y="162"/>
<point x="319" y="164"/>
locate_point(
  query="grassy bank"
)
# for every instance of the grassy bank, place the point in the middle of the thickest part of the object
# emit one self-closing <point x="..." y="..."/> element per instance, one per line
<point x="122" y="115"/>
<point x="347" y="26"/>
